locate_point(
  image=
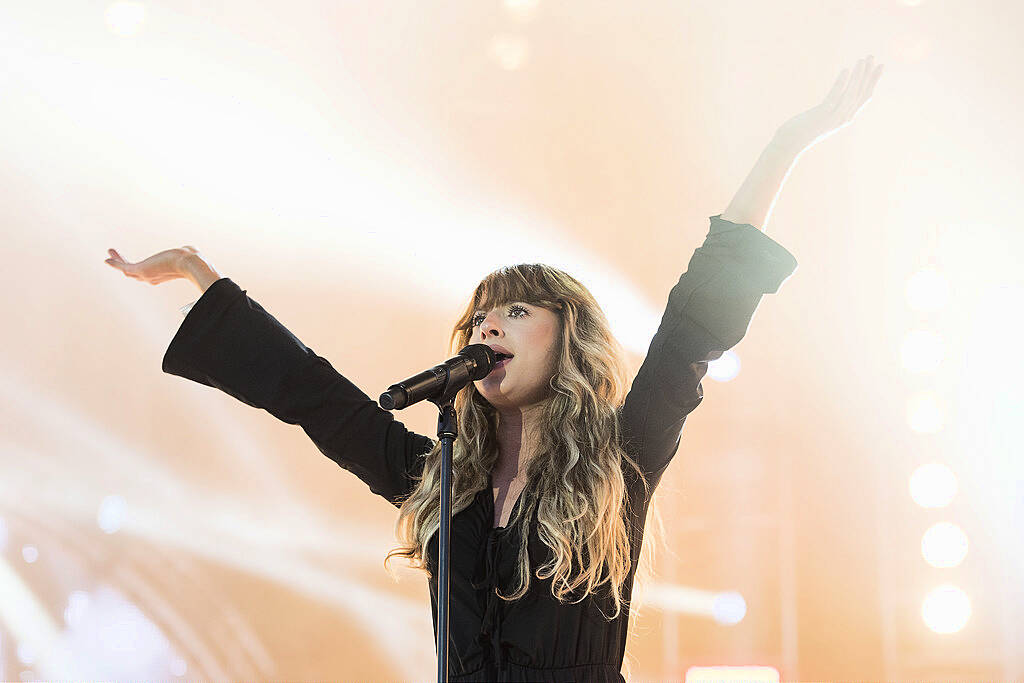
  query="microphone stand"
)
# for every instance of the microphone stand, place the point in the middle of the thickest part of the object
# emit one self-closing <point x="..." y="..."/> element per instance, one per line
<point x="447" y="430"/>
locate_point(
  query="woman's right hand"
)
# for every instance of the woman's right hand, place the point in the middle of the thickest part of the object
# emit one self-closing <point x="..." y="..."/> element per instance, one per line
<point x="161" y="267"/>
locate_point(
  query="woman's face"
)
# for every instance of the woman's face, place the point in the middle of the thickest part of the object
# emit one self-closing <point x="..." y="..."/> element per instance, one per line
<point x="530" y="333"/>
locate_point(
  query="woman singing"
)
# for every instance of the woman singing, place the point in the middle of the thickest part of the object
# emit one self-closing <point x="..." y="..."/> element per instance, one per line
<point x="556" y="457"/>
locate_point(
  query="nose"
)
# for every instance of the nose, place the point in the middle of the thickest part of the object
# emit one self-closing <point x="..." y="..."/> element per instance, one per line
<point x="490" y="326"/>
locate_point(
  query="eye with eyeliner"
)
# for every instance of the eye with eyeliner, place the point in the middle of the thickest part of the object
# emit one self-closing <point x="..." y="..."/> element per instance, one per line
<point x="478" y="318"/>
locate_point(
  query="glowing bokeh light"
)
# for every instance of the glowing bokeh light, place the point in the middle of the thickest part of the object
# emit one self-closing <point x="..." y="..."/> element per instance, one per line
<point x="111" y="514"/>
<point x="933" y="485"/>
<point x="922" y="351"/>
<point x="179" y="667"/>
<point x="946" y="609"/>
<point x="78" y="604"/>
<point x="944" y="545"/>
<point x="521" y="10"/>
<point x="113" y="639"/>
<point x="30" y="553"/>
<point x="125" y="18"/>
<point x="724" y="368"/>
<point x="3" y="534"/>
<point x="26" y="653"/>
<point x="925" y="413"/>
<point x="927" y="290"/>
<point x="729" y="608"/>
<point x="509" y="51"/>
<point x="725" y="607"/>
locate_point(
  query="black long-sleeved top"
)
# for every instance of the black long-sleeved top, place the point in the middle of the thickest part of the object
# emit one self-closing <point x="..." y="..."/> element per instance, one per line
<point x="228" y="341"/>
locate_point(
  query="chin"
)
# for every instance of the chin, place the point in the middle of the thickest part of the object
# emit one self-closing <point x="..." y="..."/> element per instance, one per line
<point x="496" y="399"/>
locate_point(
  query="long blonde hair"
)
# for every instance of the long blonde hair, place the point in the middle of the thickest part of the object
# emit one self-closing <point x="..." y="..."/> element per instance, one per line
<point x="575" y="482"/>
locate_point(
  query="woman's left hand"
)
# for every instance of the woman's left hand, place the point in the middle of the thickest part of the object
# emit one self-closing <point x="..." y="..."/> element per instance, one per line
<point x="846" y="98"/>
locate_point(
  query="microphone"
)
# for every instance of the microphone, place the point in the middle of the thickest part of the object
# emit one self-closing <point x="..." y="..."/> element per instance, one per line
<point x="443" y="381"/>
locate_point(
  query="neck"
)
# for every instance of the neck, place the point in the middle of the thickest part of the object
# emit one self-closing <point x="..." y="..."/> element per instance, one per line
<point x="515" y="431"/>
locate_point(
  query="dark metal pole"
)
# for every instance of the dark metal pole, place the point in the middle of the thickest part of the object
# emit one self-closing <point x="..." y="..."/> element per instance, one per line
<point x="454" y="376"/>
<point x="447" y="430"/>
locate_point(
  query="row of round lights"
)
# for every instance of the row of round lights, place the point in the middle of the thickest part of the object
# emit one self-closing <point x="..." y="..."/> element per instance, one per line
<point x="946" y="608"/>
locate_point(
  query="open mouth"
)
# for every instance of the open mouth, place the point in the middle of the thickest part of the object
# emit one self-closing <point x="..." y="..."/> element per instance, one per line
<point x="502" y="359"/>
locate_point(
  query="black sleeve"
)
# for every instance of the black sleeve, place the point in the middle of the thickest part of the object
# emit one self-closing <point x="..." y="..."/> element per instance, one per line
<point x="708" y="312"/>
<point x="229" y="342"/>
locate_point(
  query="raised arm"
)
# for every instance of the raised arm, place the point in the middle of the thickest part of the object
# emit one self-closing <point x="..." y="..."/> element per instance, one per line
<point x="229" y="342"/>
<point x="708" y="312"/>
<point x="754" y="201"/>
<point x="711" y="306"/>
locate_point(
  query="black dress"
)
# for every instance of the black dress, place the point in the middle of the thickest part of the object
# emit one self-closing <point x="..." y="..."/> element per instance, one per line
<point x="228" y="341"/>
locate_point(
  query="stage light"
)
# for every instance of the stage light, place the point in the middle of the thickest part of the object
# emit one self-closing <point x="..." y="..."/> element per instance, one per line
<point x="725" y="607"/>
<point x="78" y="603"/>
<point x="944" y="545"/>
<point x="125" y="18"/>
<point x="925" y="414"/>
<point x="724" y="368"/>
<point x="521" y="10"/>
<point x="179" y="667"/>
<point x="30" y="553"/>
<point x="729" y="608"/>
<point x="922" y="351"/>
<point x="732" y="674"/>
<point x="946" y="609"/>
<point x="933" y="485"/>
<point x="509" y="51"/>
<point x="26" y="653"/>
<point x="111" y="514"/>
<point x="927" y="290"/>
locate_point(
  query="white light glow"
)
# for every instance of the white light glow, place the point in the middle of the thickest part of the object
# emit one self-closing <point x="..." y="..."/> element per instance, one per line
<point x="724" y="368"/>
<point x="927" y="290"/>
<point x="944" y="545"/>
<point x="946" y="609"/>
<point x="509" y="51"/>
<point x="933" y="485"/>
<point x="78" y="604"/>
<point x="732" y="674"/>
<point x="179" y="667"/>
<point x="922" y="351"/>
<point x="521" y="10"/>
<point x="30" y="625"/>
<point x="30" y="553"/>
<point x="111" y="514"/>
<point x="125" y="18"/>
<point x="114" y="640"/>
<point x="729" y="608"/>
<point x="925" y="413"/>
<point x="725" y="607"/>
<point x="26" y="653"/>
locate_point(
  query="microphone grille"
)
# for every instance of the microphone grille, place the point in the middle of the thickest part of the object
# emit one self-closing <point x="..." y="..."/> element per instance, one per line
<point x="483" y="358"/>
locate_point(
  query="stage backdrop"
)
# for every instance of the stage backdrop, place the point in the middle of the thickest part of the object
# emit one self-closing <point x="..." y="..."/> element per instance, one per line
<point x="846" y="502"/>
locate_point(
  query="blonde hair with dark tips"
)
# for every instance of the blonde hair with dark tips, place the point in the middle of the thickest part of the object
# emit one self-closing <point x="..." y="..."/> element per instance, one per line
<point x="575" y="482"/>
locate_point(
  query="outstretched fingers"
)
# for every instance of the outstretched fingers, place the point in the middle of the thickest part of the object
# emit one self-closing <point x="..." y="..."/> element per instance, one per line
<point x="117" y="261"/>
<point x="865" y="75"/>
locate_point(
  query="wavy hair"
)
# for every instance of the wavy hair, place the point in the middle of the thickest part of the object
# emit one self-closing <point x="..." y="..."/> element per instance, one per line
<point x="575" y="481"/>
